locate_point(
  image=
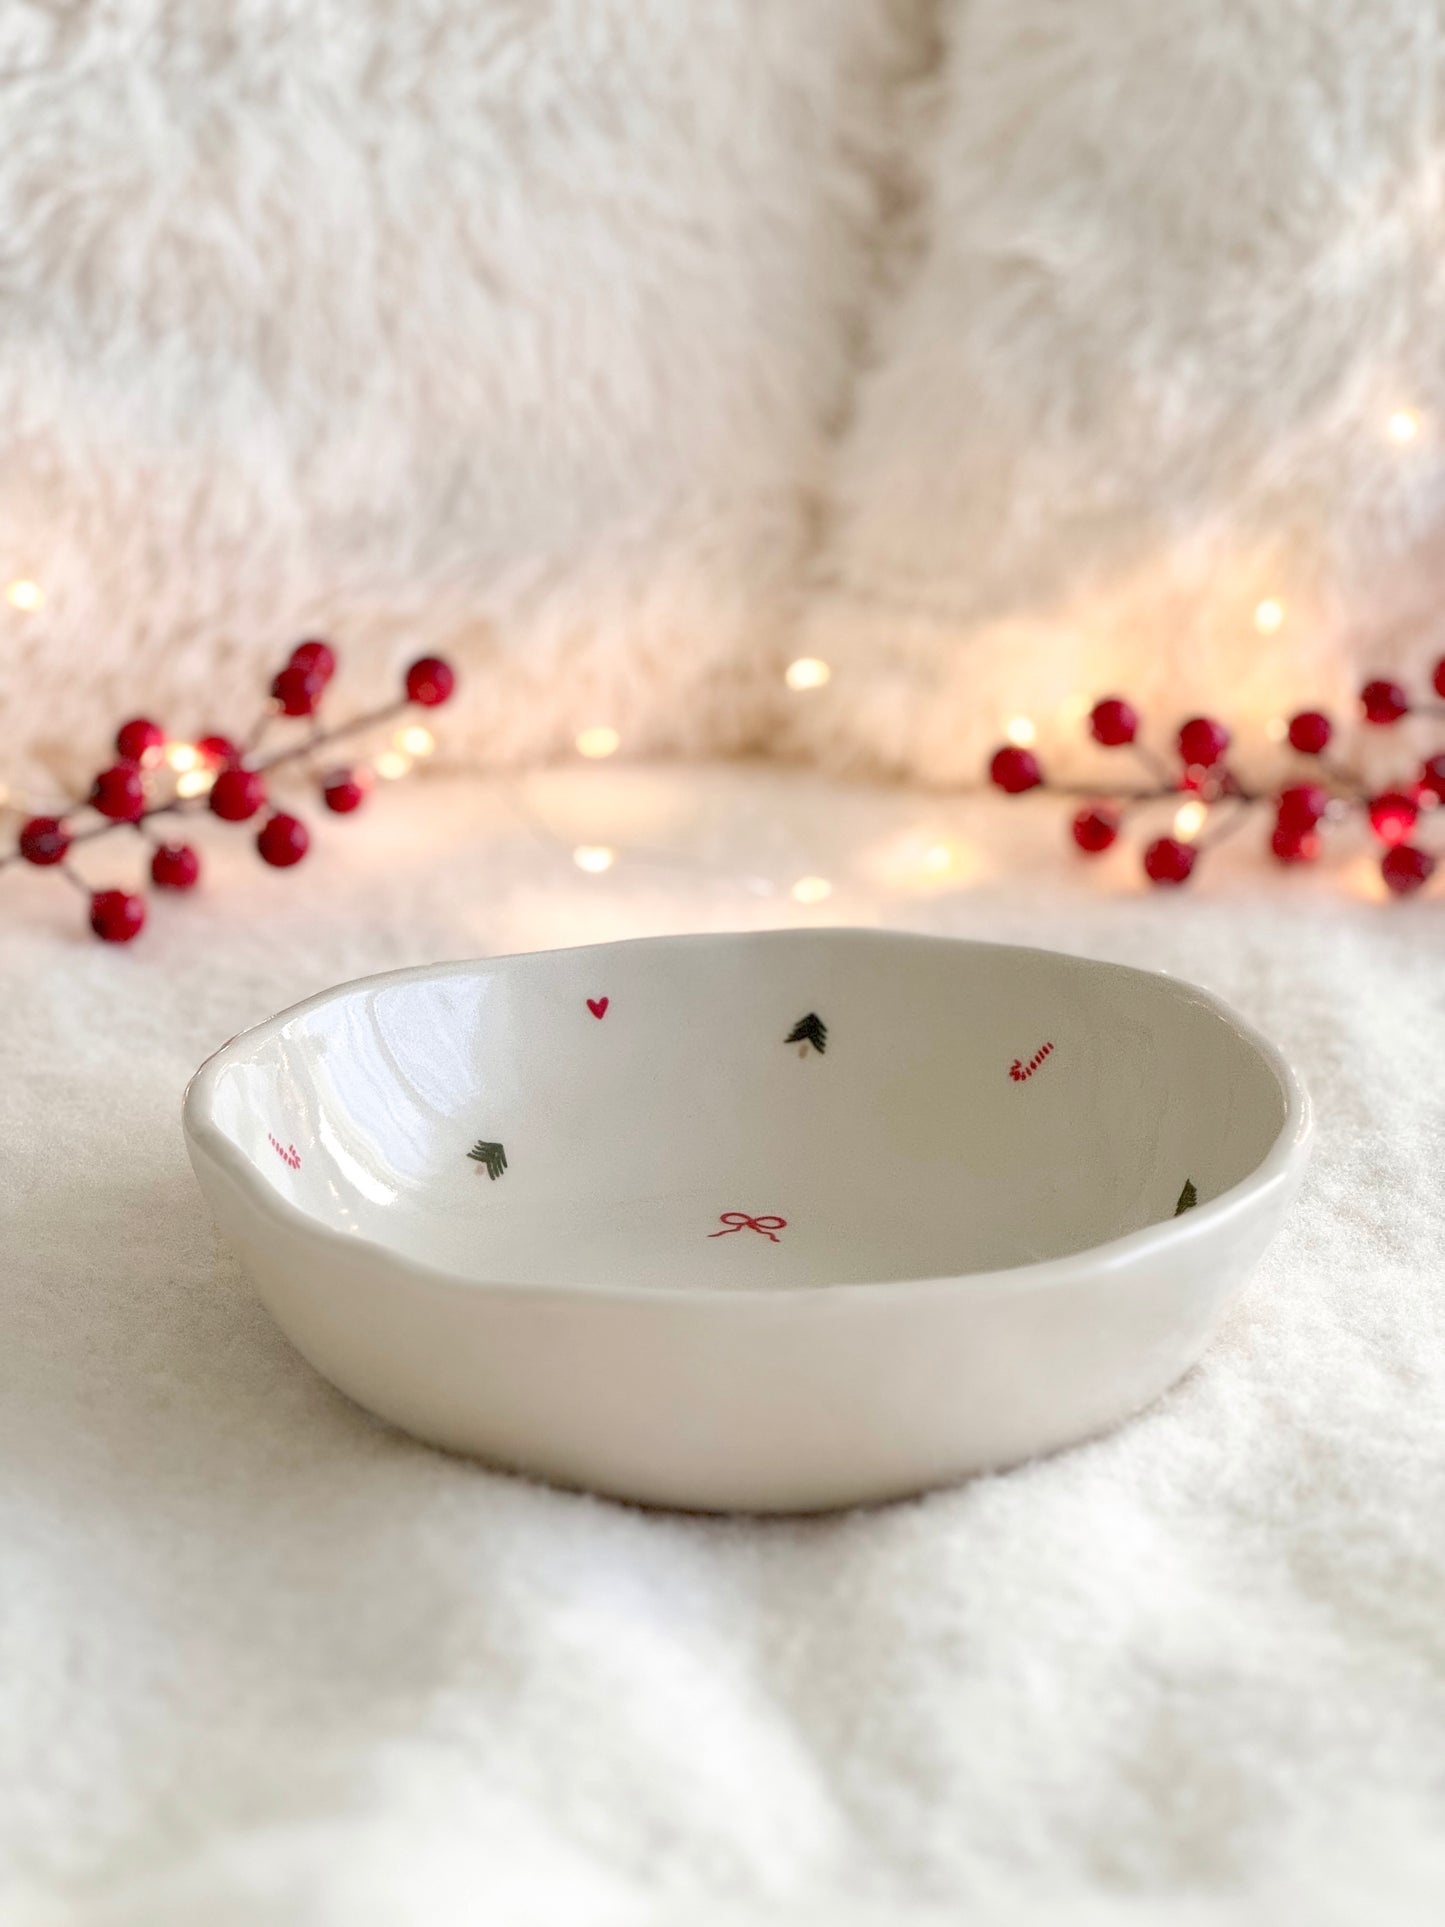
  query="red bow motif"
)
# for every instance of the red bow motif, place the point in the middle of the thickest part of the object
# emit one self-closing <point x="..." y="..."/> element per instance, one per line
<point x="739" y="1221"/>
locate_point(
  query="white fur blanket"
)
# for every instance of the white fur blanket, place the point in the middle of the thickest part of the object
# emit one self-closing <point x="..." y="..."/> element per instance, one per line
<point x="266" y="1664"/>
<point x="994" y="350"/>
<point x="1165" y="349"/>
<point x="515" y="331"/>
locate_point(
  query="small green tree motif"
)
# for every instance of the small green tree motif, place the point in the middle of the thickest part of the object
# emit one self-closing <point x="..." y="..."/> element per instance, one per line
<point x="809" y="1030"/>
<point x="493" y="1156"/>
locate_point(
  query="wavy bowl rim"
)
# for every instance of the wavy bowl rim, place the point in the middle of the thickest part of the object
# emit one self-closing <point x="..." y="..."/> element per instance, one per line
<point x="1280" y="1165"/>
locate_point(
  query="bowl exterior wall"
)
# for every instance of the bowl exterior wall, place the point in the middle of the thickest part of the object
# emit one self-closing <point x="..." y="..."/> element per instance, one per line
<point x="795" y="1402"/>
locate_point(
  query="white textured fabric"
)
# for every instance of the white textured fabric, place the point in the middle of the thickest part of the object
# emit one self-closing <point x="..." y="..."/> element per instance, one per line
<point x="1175" y="270"/>
<point x="514" y="330"/>
<point x="527" y="330"/>
<point x="265" y="1661"/>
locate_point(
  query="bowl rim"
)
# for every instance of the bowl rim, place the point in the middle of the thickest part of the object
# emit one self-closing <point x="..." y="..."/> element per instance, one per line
<point x="1275" y="1171"/>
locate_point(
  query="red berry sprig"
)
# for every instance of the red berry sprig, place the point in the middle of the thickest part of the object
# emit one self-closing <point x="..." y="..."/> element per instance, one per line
<point x="1219" y="803"/>
<point x="232" y="784"/>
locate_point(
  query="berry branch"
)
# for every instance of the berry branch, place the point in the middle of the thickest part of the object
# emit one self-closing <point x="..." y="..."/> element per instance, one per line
<point x="156" y="777"/>
<point x="1215" y="804"/>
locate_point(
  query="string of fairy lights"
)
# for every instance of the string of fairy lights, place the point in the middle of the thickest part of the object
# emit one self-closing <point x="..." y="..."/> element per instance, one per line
<point x="1195" y="795"/>
<point x="921" y="860"/>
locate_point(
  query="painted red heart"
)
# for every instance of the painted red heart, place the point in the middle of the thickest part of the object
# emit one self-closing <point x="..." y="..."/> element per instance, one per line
<point x="598" y="1005"/>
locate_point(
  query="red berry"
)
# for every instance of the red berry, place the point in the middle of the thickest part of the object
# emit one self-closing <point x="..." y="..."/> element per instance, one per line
<point x="138" y="737"/>
<point x="117" y="793"/>
<point x="116" y="916"/>
<point x="1113" y="722"/>
<point x="1167" y="860"/>
<point x="1202" y="741"/>
<point x="283" y="840"/>
<point x="1294" y="844"/>
<point x="317" y="658"/>
<point x="430" y="681"/>
<point x="342" y="792"/>
<point x="1406" y="868"/>
<point x="1392" y="816"/>
<point x="1383" y="702"/>
<point x="1440" y="677"/>
<point x="297" y="690"/>
<point x="175" y="866"/>
<point x="44" y="839"/>
<point x="237" y="794"/>
<point x="1015" y="770"/>
<point x="1432" y="777"/>
<point x="1310" y="732"/>
<point x="219" y="751"/>
<point x="1302" y="805"/>
<point x="1096" y="827"/>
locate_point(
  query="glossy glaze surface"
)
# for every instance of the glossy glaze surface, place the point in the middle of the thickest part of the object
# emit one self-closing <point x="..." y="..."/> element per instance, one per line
<point x="778" y="1220"/>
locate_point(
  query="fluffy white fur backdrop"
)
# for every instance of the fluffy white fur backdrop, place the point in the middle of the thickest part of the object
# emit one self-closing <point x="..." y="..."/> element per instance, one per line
<point x="513" y="330"/>
<point x="1177" y="268"/>
<point x="996" y="352"/>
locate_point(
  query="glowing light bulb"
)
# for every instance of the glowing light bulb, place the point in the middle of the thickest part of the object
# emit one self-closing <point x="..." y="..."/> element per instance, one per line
<point x="392" y="763"/>
<point x="194" y="782"/>
<point x="938" y="858"/>
<point x="594" y="858"/>
<point x="1403" y="427"/>
<point x="415" y="740"/>
<point x="808" y="672"/>
<point x="1189" y="820"/>
<point x="1021" y="732"/>
<point x="599" y="741"/>
<point x="25" y="595"/>
<point x="811" y="890"/>
<point x="182" y="756"/>
<point x="1268" y="616"/>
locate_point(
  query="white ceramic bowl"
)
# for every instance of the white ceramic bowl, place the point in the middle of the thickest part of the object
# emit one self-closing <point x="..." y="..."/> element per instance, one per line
<point x="773" y="1222"/>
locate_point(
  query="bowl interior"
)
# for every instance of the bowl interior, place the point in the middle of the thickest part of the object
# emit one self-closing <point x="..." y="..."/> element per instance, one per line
<point x="782" y="1108"/>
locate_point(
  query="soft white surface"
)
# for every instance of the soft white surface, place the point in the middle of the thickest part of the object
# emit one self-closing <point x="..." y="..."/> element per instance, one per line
<point x="513" y="329"/>
<point x="1174" y="269"/>
<point x="264" y="1661"/>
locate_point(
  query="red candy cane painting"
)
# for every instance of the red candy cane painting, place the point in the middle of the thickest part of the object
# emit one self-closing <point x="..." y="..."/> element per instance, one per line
<point x="1020" y="1072"/>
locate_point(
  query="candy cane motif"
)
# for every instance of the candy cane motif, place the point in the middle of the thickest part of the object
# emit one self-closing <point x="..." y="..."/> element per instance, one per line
<point x="1018" y="1070"/>
<point x="287" y="1153"/>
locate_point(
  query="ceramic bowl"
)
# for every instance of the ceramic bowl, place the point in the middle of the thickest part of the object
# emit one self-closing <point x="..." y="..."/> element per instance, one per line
<point x="774" y="1222"/>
